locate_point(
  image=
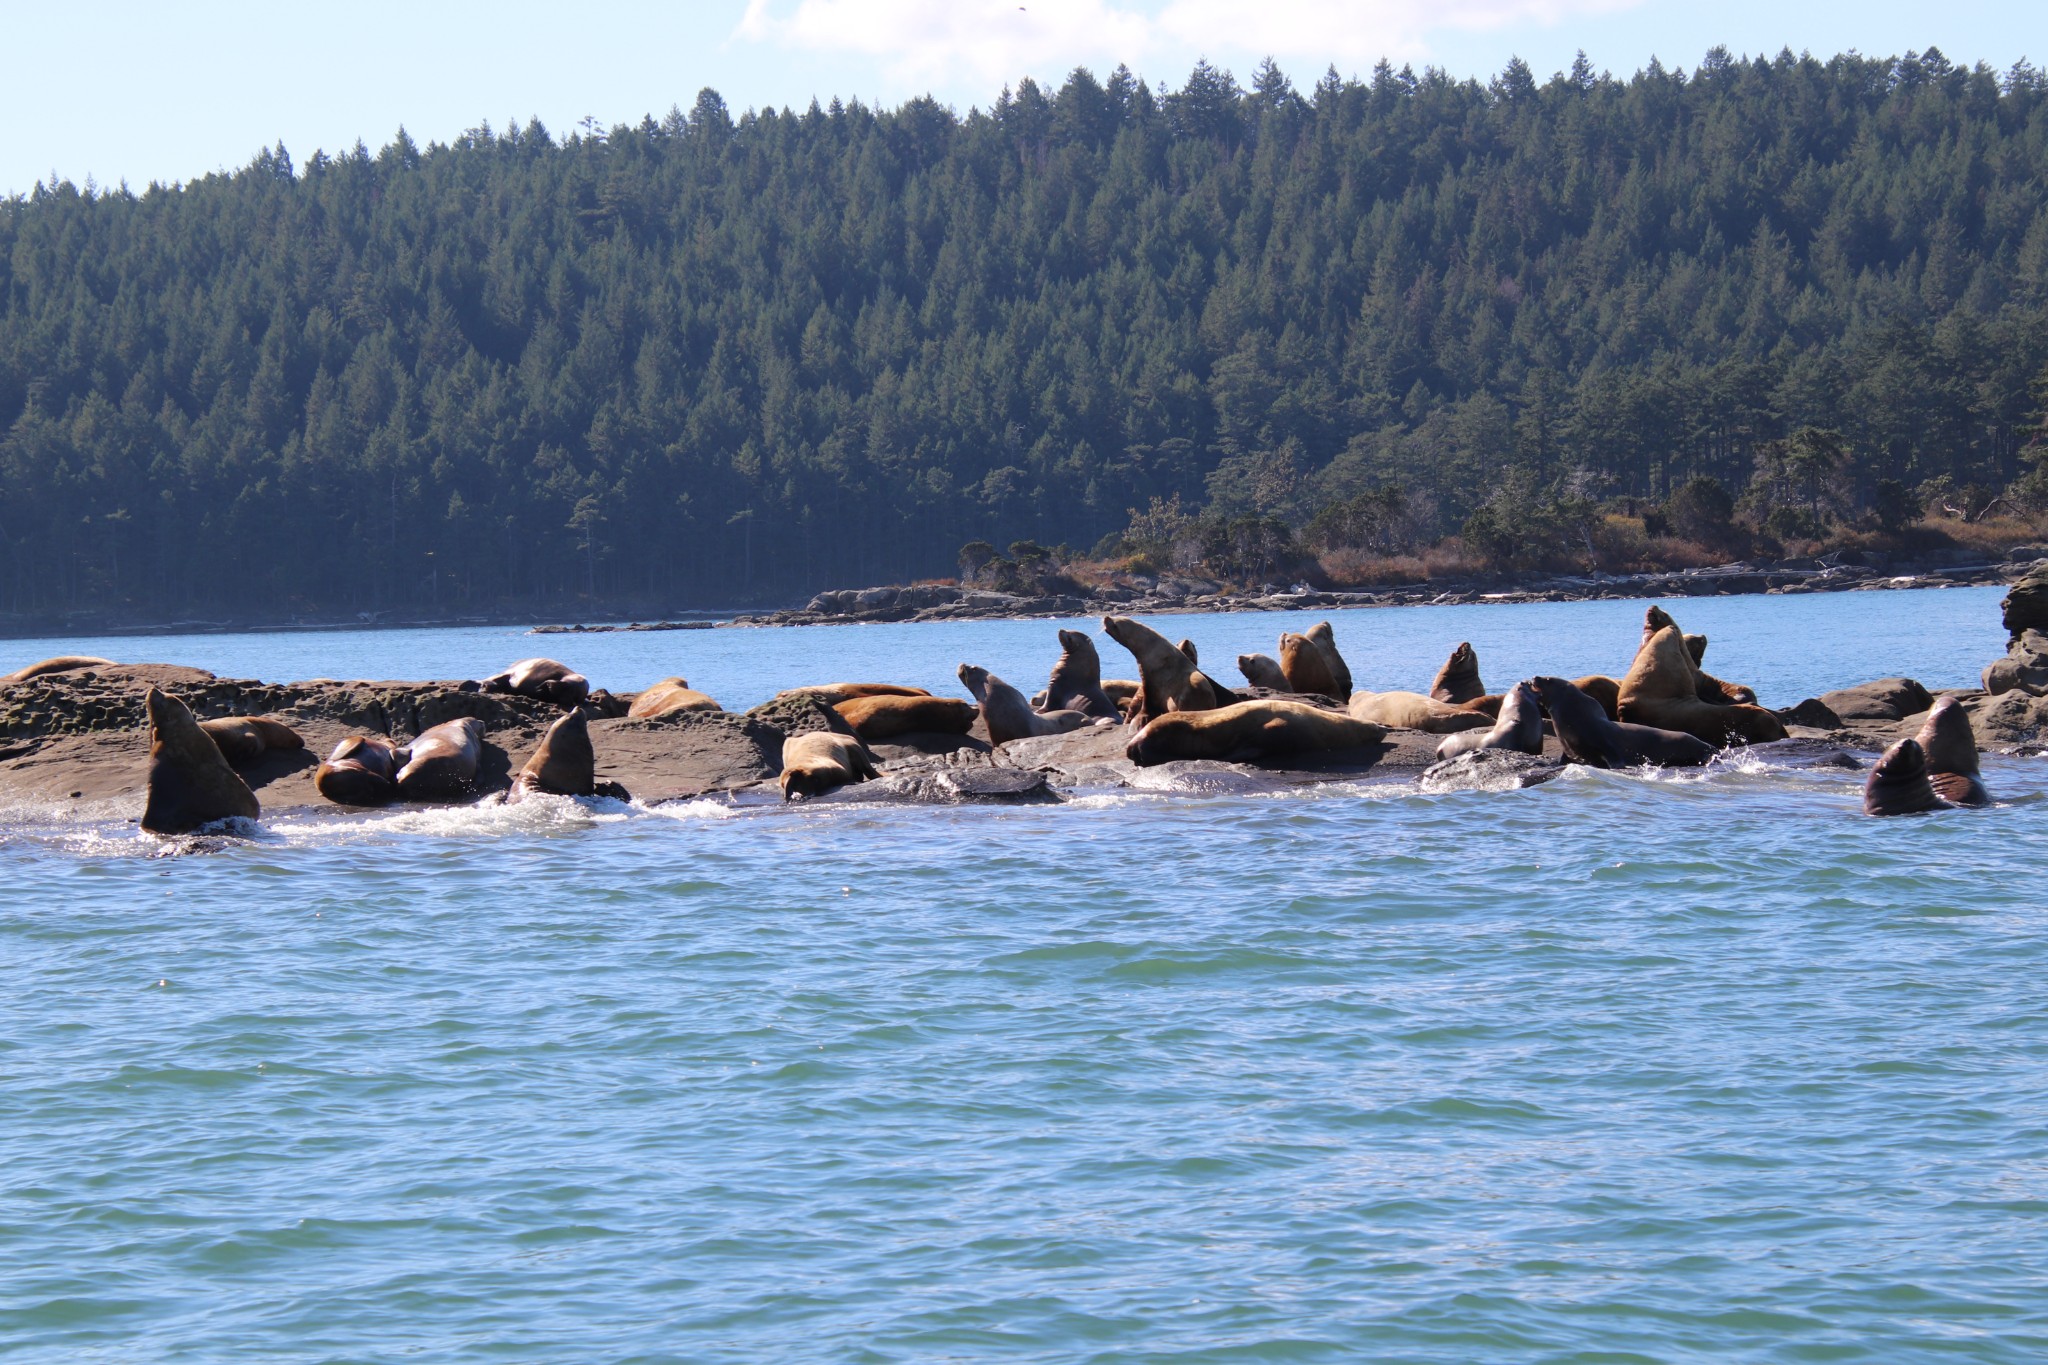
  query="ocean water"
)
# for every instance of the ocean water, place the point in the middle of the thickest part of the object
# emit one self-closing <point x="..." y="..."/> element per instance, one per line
<point x="1695" y="1067"/>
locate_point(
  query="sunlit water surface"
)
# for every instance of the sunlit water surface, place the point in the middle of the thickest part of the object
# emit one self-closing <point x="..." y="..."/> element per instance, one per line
<point x="1691" y="1068"/>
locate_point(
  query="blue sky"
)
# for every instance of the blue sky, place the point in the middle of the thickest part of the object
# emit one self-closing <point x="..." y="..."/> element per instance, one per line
<point x="155" y="91"/>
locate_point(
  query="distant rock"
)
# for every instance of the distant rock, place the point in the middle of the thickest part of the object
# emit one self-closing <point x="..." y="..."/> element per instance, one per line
<point x="2026" y="604"/>
<point x="1812" y="712"/>
<point x="2024" y="667"/>
<point x="1885" y="699"/>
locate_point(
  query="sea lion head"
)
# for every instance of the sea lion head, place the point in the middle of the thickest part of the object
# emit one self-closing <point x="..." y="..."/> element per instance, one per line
<point x="1898" y="783"/>
<point x="1946" y="739"/>
<point x="1696" y="645"/>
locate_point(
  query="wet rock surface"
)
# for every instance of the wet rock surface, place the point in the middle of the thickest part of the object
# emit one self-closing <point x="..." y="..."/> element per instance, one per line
<point x="1489" y="770"/>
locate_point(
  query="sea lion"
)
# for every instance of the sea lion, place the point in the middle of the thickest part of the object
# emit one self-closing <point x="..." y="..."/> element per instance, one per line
<point x="669" y="697"/>
<point x="190" y="782"/>
<point x="441" y="763"/>
<point x="1520" y="727"/>
<point x="245" y="739"/>
<point x="1243" y="730"/>
<point x="362" y="771"/>
<point x="1263" y="671"/>
<point x="1187" y="647"/>
<point x="1661" y="690"/>
<point x="1587" y="736"/>
<point x="1898" y="784"/>
<point x="1122" y="691"/>
<point x="542" y="679"/>
<point x="1457" y="682"/>
<point x="1008" y="715"/>
<point x="63" y="663"/>
<point x="564" y="764"/>
<point x="1168" y="680"/>
<point x="819" y="761"/>
<point x="1950" y="747"/>
<point x="1306" y="665"/>
<point x="1076" y="683"/>
<point x="1413" y="711"/>
<point x="885" y="717"/>
<point x="1711" y="688"/>
<point x="1603" y="689"/>
<point x="1326" y="637"/>
<point x="834" y="693"/>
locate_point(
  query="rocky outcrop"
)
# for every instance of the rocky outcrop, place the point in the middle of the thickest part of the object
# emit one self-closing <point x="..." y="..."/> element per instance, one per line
<point x="2024" y="667"/>
<point x="2025" y="606"/>
<point x="1884" y="700"/>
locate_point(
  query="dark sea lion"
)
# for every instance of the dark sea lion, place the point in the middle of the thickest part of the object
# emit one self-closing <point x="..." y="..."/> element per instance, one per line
<point x="542" y="679"/>
<point x="1711" y="688"/>
<point x="1587" y="736"/>
<point x="1187" y="647"/>
<point x="1322" y="633"/>
<point x="1950" y="747"/>
<point x="245" y="739"/>
<point x="1248" y="729"/>
<point x="362" y="771"/>
<point x="834" y="693"/>
<point x="63" y="663"/>
<point x="885" y="717"/>
<point x="1076" y="683"/>
<point x="1168" y="679"/>
<point x="564" y="764"/>
<point x="1306" y="665"/>
<point x="1263" y="671"/>
<point x="819" y="761"/>
<point x="1898" y="784"/>
<point x="1008" y="715"/>
<point x="1519" y="727"/>
<point x="1413" y="711"/>
<point x="1457" y="682"/>
<point x="670" y="696"/>
<point x="190" y="782"/>
<point x="1661" y="689"/>
<point x="441" y="763"/>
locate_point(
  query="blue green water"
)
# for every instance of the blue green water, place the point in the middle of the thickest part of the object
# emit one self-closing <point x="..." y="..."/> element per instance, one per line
<point x="1695" y="1068"/>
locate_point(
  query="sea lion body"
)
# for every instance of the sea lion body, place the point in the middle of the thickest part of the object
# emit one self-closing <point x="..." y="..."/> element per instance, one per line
<point x="1306" y="666"/>
<point x="885" y="717"/>
<point x="1457" y="682"/>
<point x="542" y="679"/>
<point x="1711" y="688"/>
<point x="1898" y="783"/>
<point x="1168" y="678"/>
<point x="1603" y="689"/>
<point x="1519" y="727"/>
<point x="1122" y="691"/>
<point x="1413" y="711"/>
<point x="1008" y="715"/>
<point x="190" y="782"/>
<point x="1587" y="736"/>
<point x="63" y="663"/>
<point x="1248" y="729"/>
<point x="670" y="696"/>
<point x="1661" y="690"/>
<point x="1076" y="683"/>
<point x="441" y="763"/>
<point x="564" y="764"/>
<point x="834" y="693"/>
<point x="362" y="771"/>
<point x="1326" y="639"/>
<point x="245" y="739"/>
<point x="819" y="761"/>
<point x="1262" y="670"/>
<point x="1950" y="748"/>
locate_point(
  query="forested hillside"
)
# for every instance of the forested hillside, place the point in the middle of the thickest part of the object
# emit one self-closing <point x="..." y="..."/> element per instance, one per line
<point x="704" y="360"/>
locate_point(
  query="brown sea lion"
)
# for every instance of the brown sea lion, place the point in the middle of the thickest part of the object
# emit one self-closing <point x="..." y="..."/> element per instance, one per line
<point x="1711" y="688"/>
<point x="245" y="739"/>
<point x="1950" y="747"/>
<point x="1519" y="727"/>
<point x="190" y="782"/>
<point x="834" y="693"/>
<point x="1261" y="670"/>
<point x="362" y="771"/>
<point x="1898" y="784"/>
<point x="1187" y="647"/>
<point x="1076" y="683"/>
<point x="1122" y="691"/>
<point x="1587" y="736"/>
<point x="1008" y="715"/>
<point x="819" y="761"/>
<point x="885" y="717"/>
<point x="1168" y="679"/>
<point x="670" y="696"/>
<point x="1248" y="730"/>
<point x="1413" y="711"/>
<point x="1661" y="690"/>
<point x="63" y="663"/>
<point x="1306" y="665"/>
<point x="1457" y="682"/>
<point x="542" y="679"/>
<point x="1603" y="689"/>
<point x="1322" y="633"/>
<point x="564" y="764"/>
<point x="441" y="763"/>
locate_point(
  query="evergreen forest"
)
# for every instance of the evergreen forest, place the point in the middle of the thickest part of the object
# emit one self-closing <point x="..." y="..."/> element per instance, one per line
<point x="716" y="360"/>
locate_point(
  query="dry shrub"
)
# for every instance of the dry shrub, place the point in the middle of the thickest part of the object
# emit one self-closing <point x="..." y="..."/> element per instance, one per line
<point x="1452" y="558"/>
<point x="1348" y="567"/>
<point x="1993" y="535"/>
